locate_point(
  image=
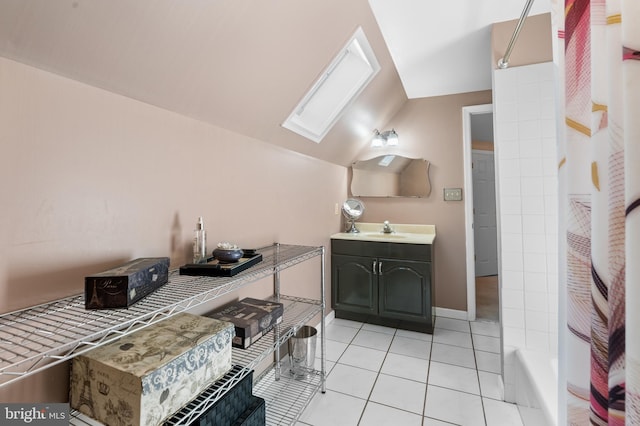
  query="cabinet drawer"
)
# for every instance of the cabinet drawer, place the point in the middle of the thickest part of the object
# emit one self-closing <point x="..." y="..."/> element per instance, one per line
<point x="402" y="251"/>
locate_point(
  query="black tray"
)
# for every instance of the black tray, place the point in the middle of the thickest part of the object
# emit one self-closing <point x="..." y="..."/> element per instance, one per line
<point x="215" y="268"/>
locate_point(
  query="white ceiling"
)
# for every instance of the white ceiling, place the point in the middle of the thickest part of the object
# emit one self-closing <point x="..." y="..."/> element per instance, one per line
<point x="443" y="47"/>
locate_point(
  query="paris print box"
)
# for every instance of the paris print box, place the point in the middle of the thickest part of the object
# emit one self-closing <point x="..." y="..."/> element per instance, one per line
<point x="143" y="378"/>
<point x="126" y="284"/>
<point x="253" y="318"/>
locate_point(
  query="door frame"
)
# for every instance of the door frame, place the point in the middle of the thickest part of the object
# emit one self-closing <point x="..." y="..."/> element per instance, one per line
<point x="467" y="112"/>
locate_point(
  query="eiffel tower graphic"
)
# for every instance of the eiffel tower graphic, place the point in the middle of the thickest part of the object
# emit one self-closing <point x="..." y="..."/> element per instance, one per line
<point x="95" y="301"/>
<point x="86" y="397"/>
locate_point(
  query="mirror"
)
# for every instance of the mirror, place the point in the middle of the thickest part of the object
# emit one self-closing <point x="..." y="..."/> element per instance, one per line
<point x="390" y="176"/>
<point x="352" y="209"/>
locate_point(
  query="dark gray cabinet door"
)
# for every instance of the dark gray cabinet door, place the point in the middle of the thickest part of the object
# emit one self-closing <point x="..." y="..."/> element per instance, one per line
<point x="354" y="285"/>
<point x="404" y="289"/>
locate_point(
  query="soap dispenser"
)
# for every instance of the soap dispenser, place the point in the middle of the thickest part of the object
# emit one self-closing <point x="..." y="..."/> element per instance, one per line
<point x="199" y="242"/>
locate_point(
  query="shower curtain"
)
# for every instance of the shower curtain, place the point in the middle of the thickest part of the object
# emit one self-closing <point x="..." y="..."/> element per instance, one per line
<point x="598" y="54"/>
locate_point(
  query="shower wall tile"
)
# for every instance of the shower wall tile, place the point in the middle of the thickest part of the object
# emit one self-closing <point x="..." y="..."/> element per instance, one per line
<point x="533" y="224"/>
<point x="513" y="318"/>
<point x="510" y="169"/>
<point x="525" y="139"/>
<point x="532" y="186"/>
<point x="537" y="321"/>
<point x="510" y="187"/>
<point x="512" y="261"/>
<point x="509" y="130"/>
<point x="533" y="205"/>
<point x="513" y="299"/>
<point x="511" y="223"/>
<point x="531" y="167"/>
<point x="537" y="340"/>
<point x="530" y="148"/>
<point x="534" y="243"/>
<point x="529" y="129"/>
<point x="512" y="280"/>
<point x="535" y="262"/>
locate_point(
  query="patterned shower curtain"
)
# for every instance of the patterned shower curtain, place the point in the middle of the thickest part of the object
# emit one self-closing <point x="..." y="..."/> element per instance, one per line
<point x="599" y="169"/>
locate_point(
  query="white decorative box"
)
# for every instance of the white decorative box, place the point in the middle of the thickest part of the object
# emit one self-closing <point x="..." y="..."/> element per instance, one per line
<point x="145" y="377"/>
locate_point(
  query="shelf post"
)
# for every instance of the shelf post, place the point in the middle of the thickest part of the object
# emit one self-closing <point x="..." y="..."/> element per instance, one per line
<point x="323" y="346"/>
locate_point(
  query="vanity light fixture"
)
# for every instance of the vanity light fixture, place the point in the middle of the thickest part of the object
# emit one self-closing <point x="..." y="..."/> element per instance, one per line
<point x="386" y="138"/>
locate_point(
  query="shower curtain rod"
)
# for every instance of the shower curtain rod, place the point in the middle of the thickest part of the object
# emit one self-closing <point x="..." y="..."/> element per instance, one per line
<point x="504" y="61"/>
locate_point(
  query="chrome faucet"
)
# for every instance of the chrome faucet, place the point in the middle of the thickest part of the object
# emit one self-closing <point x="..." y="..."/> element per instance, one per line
<point x="386" y="228"/>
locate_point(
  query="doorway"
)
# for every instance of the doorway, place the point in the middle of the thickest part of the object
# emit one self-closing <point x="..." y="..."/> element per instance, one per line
<point x="480" y="214"/>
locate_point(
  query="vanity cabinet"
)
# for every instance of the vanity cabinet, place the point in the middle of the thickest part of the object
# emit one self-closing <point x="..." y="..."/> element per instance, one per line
<point x="383" y="283"/>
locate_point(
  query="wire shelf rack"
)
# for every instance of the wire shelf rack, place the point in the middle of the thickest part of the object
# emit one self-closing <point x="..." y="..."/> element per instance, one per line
<point x="286" y="398"/>
<point x="297" y="311"/>
<point x="39" y="337"/>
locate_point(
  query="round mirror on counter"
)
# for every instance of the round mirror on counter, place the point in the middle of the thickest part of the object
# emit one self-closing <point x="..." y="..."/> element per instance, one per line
<point x="352" y="209"/>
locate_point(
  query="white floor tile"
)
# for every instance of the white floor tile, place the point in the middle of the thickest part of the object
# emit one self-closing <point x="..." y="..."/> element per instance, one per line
<point x="382" y="415"/>
<point x="341" y="333"/>
<point x="352" y="381"/>
<point x="427" y="337"/>
<point x="455" y="407"/>
<point x="499" y="413"/>
<point x="453" y="324"/>
<point x="455" y="355"/>
<point x="378" y="376"/>
<point x="433" y="422"/>
<point x="491" y="385"/>
<point x="400" y="393"/>
<point x="373" y="340"/>
<point x="407" y="367"/>
<point x="367" y="358"/>
<point x="486" y="328"/>
<point x="450" y="337"/>
<point x="379" y="328"/>
<point x="532" y="416"/>
<point x="454" y="377"/>
<point x="486" y="343"/>
<point x="334" y="350"/>
<point x="346" y="323"/>
<point x="411" y="347"/>
<point x="333" y="408"/>
<point x="488" y="361"/>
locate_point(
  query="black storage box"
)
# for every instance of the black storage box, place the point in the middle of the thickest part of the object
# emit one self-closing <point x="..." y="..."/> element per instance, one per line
<point x="255" y="415"/>
<point x="252" y="318"/>
<point x="124" y="285"/>
<point x="231" y="406"/>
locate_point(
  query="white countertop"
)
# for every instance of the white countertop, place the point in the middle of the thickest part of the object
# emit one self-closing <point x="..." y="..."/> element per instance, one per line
<point x="402" y="233"/>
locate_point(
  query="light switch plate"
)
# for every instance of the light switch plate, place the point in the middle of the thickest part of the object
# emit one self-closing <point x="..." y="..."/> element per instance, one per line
<point x="453" y="194"/>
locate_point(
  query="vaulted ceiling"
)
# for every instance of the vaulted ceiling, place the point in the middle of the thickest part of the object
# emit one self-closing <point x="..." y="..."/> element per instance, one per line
<point x="244" y="64"/>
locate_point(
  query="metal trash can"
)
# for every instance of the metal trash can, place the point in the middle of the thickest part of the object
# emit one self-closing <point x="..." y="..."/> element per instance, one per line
<point x="302" y="351"/>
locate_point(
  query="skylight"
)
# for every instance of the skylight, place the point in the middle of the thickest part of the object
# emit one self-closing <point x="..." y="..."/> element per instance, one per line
<point x="338" y="85"/>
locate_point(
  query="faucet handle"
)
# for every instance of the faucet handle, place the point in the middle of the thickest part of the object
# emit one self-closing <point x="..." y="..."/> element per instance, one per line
<point x="386" y="228"/>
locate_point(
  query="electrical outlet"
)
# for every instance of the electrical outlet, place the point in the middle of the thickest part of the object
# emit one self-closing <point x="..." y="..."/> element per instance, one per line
<point x="453" y="194"/>
<point x="336" y="209"/>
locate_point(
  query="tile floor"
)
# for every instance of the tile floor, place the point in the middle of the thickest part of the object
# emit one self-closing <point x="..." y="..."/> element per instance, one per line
<point x="384" y="376"/>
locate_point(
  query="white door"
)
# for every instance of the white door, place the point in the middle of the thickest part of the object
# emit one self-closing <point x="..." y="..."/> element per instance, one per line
<point x="484" y="213"/>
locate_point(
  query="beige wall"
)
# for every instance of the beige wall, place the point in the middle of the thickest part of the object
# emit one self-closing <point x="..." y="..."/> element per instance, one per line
<point x="90" y="179"/>
<point x="431" y="128"/>
<point x="533" y="45"/>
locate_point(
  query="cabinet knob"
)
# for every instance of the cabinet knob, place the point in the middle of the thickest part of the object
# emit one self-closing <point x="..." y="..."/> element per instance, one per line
<point x="380" y="267"/>
<point x="373" y="267"/>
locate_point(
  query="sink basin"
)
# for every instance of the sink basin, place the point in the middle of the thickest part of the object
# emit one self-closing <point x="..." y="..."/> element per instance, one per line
<point x="383" y="236"/>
